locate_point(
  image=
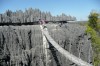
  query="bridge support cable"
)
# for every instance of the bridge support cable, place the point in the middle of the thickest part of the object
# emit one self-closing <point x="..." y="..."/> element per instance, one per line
<point x="68" y="55"/>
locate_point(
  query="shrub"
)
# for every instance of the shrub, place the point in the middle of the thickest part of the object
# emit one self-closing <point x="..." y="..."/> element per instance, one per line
<point x="95" y="44"/>
<point x="93" y="18"/>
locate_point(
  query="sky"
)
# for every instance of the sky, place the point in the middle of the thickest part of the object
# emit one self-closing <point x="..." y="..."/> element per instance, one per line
<point x="78" y="8"/>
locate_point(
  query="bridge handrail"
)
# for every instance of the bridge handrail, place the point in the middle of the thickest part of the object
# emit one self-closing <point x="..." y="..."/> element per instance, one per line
<point x="68" y="55"/>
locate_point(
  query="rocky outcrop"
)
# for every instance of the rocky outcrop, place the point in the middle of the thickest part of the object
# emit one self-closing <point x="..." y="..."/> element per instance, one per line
<point x="23" y="45"/>
<point x="31" y="15"/>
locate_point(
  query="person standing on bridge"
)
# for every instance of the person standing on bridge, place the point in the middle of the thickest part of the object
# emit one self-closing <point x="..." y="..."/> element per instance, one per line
<point x="42" y="22"/>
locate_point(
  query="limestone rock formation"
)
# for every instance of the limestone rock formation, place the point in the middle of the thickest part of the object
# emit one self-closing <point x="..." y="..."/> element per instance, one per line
<point x="31" y="15"/>
<point x="23" y="45"/>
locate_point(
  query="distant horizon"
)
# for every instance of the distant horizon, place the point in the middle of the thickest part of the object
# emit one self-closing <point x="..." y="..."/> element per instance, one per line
<point x="79" y="8"/>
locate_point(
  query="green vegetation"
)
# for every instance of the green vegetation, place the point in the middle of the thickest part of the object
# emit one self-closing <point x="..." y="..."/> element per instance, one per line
<point x="93" y="28"/>
<point x="93" y="18"/>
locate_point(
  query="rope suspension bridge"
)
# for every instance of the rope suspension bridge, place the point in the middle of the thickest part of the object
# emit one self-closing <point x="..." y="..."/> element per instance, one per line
<point x="71" y="57"/>
<point x="47" y="40"/>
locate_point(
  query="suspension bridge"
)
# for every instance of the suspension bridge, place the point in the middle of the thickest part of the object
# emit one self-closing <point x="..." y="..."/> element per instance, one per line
<point x="71" y="57"/>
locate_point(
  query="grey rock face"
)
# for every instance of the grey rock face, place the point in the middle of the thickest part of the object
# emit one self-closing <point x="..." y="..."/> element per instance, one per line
<point x="23" y="45"/>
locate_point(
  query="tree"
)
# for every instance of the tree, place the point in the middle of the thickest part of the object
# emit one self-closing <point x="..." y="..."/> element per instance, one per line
<point x="93" y="18"/>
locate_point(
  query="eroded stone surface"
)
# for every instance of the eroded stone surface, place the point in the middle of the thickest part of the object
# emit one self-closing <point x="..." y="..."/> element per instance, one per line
<point x="23" y="45"/>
